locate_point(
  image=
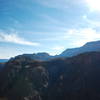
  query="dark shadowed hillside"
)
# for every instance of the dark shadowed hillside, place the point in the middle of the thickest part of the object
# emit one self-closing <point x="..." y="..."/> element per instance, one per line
<point x="75" y="78"/>
<point x="2" y="66"/>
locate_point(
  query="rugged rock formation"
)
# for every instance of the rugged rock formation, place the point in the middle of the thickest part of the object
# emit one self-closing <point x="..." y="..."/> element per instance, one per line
<point x="75" y="78"/>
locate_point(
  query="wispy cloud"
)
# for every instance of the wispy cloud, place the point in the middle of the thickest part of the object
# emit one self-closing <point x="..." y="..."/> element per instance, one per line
<point x="94" y="5"/>
<point x="52" y="23"/>
<point x="59" y="4"/>
<point x="14" y="38"/>
<point x="54" y="3"/>
<point x="75" y="37"/>
<point x="49" y="18"/>
<point x="90" y="22"/>
<point x="79" y="37"/>
<point x="58" y="48"/>
<point x="52" y="20"/>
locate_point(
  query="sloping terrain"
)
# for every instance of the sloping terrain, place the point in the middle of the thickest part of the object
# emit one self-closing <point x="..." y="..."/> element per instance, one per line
<point x="88" y="47"/>
<point x="75" y="78"/>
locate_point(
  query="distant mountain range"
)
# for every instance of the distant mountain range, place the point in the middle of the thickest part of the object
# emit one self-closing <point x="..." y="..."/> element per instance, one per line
<point x="38" y="56"/>
<point x="88" y="47"/>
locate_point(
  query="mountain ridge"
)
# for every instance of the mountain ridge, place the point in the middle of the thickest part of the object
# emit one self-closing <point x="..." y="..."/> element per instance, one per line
<point x="43" y="56"/>
<point x="88" y="47"/>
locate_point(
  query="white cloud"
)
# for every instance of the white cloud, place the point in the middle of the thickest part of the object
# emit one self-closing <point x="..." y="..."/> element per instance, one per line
<point x="14" y="38"/>
<point x="94" y="5"/>
<point x="75" y="37"/>
<point x="81" y="36"/>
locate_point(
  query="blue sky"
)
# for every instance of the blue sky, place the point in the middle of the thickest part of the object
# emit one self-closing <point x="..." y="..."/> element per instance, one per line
<point x="31" y="26"/>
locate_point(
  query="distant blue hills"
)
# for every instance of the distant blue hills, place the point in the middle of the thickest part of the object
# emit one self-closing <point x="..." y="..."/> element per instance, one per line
<point x="3" y="60"/>
<point x="88" y="47"/>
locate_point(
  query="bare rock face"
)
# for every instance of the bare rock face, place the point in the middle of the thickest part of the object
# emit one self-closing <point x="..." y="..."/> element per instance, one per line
<point x="23" y="79"/>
